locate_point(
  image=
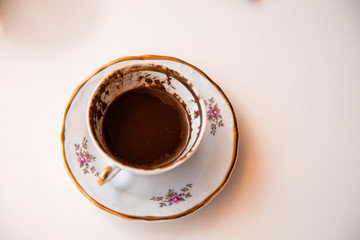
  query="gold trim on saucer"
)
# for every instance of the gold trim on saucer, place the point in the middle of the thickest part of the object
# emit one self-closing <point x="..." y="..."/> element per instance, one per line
<point x="152" y="218"/>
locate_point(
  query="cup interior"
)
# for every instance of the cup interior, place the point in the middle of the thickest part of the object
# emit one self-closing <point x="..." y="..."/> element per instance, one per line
<point x="148" y="74"/>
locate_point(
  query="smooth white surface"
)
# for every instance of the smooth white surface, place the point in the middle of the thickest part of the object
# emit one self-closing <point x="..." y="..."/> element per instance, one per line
<point x="290" y="68"/>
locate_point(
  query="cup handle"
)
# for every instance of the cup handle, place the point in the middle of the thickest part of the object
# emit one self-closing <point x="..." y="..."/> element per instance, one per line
<point x="107" y="174"/>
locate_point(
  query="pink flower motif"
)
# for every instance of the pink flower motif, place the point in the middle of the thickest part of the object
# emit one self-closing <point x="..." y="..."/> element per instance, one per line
<point x="82" y="159"/>
<point x="214" y="112"/>
<point x="175" y="198"/>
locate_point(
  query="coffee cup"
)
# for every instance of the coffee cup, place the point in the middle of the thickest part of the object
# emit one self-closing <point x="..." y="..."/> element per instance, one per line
<point x="146" y="119"/>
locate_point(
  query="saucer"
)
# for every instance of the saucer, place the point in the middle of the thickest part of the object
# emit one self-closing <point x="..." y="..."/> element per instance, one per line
<point x="167" y="196"/>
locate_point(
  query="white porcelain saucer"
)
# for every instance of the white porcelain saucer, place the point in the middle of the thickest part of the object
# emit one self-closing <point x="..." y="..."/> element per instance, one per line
<point x="166" y="196"/>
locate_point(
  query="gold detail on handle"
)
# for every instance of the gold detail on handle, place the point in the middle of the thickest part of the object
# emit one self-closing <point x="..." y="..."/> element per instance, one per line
<point x="104" y="175"/>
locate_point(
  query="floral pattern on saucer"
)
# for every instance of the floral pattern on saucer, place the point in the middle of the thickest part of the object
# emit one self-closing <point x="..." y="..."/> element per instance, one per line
<point x="85" y="159"/>
<point x="173" y="197"/>
<point x="213" y="115"/>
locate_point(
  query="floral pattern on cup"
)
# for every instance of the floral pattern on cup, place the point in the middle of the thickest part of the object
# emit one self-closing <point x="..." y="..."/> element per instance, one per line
<point x="213" y="115"/>
<point x="173" y="197"/>
<point x="85" y="159"/>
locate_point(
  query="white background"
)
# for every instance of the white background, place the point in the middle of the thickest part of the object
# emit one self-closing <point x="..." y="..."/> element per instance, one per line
<point x="290" y="68"/>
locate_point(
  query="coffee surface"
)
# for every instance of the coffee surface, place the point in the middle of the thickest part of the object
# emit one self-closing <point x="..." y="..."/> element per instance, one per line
<point x="145" y="128"/>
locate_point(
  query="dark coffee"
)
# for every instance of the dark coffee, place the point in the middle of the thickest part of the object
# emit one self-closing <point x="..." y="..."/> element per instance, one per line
<point x="146" y="128"/>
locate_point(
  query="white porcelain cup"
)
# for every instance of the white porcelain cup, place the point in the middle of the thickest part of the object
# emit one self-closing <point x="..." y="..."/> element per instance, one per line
<point x="145" y="74"/>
